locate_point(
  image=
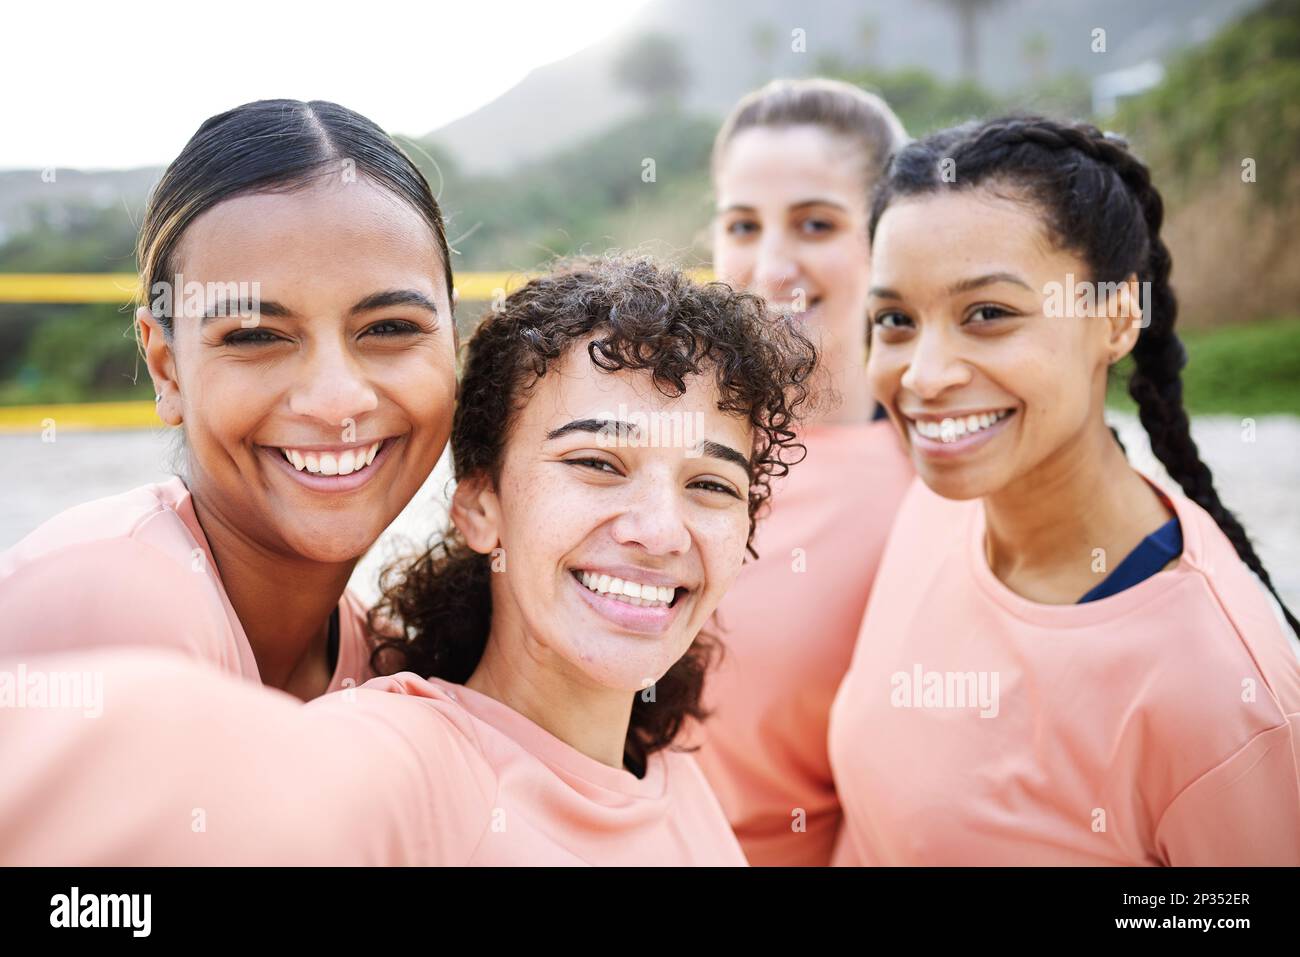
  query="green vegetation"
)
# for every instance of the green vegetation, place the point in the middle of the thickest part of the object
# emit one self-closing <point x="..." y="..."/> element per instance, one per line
<point x="1230" y="99"/>
<point x="1239" y="369"/>
<point x="1237" y="259"/>
<point x="597" y="194"/>
<point x="76" y="354"/>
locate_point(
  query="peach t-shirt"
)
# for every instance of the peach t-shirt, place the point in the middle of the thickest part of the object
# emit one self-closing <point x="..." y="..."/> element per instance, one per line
<point x="1155" y="726"/>
<point x="136" y="569"/>
<point x="400" y="771"/>
<point x="788" y="625"/>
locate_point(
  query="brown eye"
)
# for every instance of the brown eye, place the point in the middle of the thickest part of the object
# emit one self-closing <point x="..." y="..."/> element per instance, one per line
<point x="600" y="465"/>
<point x="392" y="327"/>
<point x="891" y="320"/>
<point x="987" y="313"/>
<point x="249" y="337"/>
<point x="817" y="227"/>
<point x="712" y="486"/>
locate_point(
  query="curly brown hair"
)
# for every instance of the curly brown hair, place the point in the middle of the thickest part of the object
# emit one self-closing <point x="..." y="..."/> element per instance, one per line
<point x="644" y="316"/>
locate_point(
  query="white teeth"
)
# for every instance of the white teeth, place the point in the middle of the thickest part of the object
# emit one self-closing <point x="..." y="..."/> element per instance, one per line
<point x="327" y="463"/>
<point x="952" y="429"/>
<point x="633" y="593"/>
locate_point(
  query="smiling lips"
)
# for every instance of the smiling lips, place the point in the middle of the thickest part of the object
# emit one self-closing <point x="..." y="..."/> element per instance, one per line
<point x="950" y="429"/>
<point x="787" y="308"/>
<point x="343" y="462"/>
<point x="633" y="593"/>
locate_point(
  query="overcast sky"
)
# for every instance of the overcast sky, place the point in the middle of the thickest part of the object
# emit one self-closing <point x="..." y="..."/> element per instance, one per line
<point x="114" y="85"/>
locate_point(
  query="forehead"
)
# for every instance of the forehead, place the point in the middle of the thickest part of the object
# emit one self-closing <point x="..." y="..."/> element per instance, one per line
<point x="573" y="388"/>
<point x="331" y="231"/>
<point x="956" y="234"/>
<point x="787" y="162"/>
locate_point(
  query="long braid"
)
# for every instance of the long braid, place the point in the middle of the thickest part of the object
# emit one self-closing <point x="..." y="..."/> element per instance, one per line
<point x="1159" y="356"/>
<point x="1156" y="385"/>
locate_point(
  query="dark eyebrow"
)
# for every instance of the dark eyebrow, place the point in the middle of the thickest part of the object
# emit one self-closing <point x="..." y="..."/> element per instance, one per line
<point x="741" y="207"/>
<point x="395" y="297"/>
<point x="378" y="300"/>
<point x="715" y="450"/>
<point x="595" y="426"/>
<point x="819" y="202"/>
<point x="223" y="308"/>
<point x="966" y="285"/>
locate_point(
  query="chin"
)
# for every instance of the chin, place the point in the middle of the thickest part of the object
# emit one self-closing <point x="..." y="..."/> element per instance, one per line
<point x="957" y="484"/>
<point x="625" y="663"/>
<point x="330" y="549"/>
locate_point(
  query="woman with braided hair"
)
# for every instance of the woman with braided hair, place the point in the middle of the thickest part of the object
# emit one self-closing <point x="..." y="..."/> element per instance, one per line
<point x="1060" y="663"/>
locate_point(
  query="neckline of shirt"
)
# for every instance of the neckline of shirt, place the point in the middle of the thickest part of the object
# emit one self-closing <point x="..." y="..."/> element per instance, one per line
<point x="1093" y="612"/>
<point x="553" y="752"/>
<point x="176" y="496"/>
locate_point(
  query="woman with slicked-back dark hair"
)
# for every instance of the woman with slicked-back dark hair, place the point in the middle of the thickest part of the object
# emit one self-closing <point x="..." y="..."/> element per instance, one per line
<point x="1063" y="662"/>
<point x="794" y="165"/>
<point x="295" y="317"/>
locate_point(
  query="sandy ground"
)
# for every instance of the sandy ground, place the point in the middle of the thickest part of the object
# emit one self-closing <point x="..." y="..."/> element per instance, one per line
<point x="1258" y="479"/>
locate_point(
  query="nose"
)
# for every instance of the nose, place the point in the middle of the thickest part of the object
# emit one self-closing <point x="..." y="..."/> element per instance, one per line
<point x="654" y="519"/>
<point x="934" y="365"/>
<point x="332" y="387"/>
<point x="776" y="269"/>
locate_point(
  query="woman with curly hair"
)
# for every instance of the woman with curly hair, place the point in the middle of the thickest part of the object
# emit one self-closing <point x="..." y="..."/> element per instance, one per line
<point x="614" y="439"/>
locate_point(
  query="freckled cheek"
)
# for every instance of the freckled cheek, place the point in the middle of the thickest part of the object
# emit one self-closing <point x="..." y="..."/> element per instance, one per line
<point x="542" y="523"/>
<point x="722" y="552"/>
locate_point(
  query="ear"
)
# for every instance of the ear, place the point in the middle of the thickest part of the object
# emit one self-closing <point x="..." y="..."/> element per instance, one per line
<point x="162" y="365"/>
<point x="476" y="512"/>
<point x="1124" y="317"/>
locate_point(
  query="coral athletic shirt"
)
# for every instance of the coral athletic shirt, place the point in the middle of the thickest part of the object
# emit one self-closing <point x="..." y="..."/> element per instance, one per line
<point x="189" y="766"/>
<point x="136" y="569"/>
<point x="1160" y="725"/>
<point x="788" y="637"/>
